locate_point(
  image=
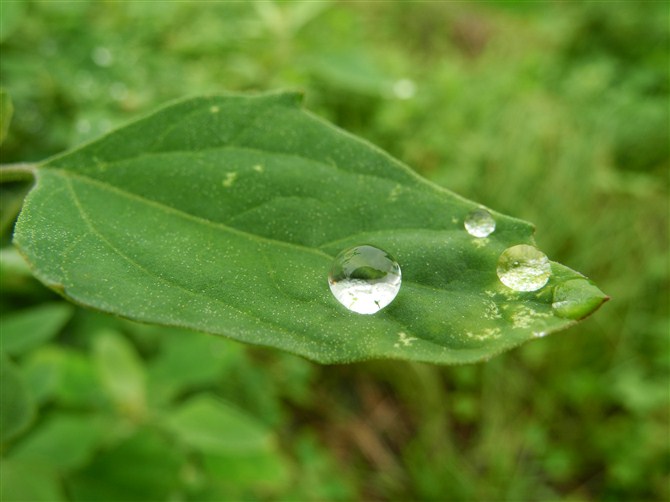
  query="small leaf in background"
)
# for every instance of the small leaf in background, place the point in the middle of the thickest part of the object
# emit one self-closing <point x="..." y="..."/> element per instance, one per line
<point x="23" y="330"/>
<point x="42" y="371"/>
<point x="141" y="468"/>
<point x="11" y="201"/>
<point x="242" y="475"/>
<point x="210" y="425"/>
<point x="257" y="197"/>
<point x="16" y="279"/>
<point x="121" y="372"/>
<point x="13" y="264"/>
<point x="79" y="383"/>
<point x="6" y="107"/>
<point x="351" y="70"/>
<point x="17" y="407"/>
<point x="26" y="482"/>
<point x="319" y="476"/>
<point x="65" y="375"/>
<point x="254" y="387"/>
<point x="64" y="442"/>
<point x="186" y="360"/>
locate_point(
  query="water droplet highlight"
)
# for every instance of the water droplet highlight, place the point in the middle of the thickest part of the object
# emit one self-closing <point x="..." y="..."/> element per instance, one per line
<point x="480" y="223"/>
<point x="523" y="268"/>
<point x="364" y="279"/>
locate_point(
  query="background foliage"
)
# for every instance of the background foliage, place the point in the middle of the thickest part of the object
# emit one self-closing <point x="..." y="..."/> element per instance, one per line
<point x="553" y="112"/>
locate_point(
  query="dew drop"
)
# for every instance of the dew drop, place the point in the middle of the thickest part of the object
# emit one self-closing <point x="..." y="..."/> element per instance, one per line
<point x="364" y="279"/>
<point x="480" y="223"/>
<point x="523" y="268"/>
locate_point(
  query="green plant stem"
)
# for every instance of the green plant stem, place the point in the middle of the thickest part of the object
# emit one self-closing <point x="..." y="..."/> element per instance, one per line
<point x="23" y="171"/>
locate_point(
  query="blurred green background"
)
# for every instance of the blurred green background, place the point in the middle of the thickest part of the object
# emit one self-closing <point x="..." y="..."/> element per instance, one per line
<point x="554" y="112"/>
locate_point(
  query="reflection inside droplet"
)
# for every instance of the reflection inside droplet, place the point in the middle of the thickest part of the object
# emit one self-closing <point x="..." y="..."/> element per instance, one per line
<point x="523" y="268"/>
<point x="480" y="223"/>
<point x="364" y="279"/>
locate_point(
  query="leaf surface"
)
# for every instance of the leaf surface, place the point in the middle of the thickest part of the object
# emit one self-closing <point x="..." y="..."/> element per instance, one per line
<point x="65" y="442"/>
<point x="17" y="407"/>
<point x="224" y="213"/>
<point x="211" y="425"/>
<point x="140" y="468"/>
<point x="6" y="111"/>
<point x="27" y="481"/>
<point x="121" y="371"/>
<point x="26" y="329"/>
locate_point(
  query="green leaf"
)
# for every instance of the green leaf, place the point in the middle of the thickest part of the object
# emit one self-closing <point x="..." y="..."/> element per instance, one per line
<point x="65" y="375"/>
<point x="223" y="214"/>
<point x="186" y="360"/>
<point x="577" y="298"/>
<point x="259" y="473"/>
<point x="211" y="425"/>
<point x="143" y="467"/>
<point x="6" y="110"/>
<point x="79" y="383"/>
<point x="26" y="482"/>
<point x="320" y="477"/>
<point x="16" y="279"/>
<point x="64" y="442"/>
<point x="42" y="370"/>
<point x="17" y="408"/>
<point x="121" y="372"/>
<point x="23" y="330"/>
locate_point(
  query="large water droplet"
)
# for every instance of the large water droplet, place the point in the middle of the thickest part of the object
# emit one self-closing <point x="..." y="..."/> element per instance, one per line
<point x="364" y="279"/>
<point x="480" y="223"/>
<point x="523" y="268"/>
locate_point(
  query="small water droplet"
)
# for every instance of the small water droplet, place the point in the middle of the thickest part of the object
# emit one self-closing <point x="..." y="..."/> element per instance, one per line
<point x="364" y="279"/>
<point x="523" y="268"/>
<point x="480" y="223"/>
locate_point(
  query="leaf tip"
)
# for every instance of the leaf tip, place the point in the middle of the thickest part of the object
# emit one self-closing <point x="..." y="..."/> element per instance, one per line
<point x="577" y="299"/>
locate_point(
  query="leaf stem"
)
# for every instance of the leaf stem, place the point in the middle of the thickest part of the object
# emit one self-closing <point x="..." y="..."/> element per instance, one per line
<point x="23" y="171"/>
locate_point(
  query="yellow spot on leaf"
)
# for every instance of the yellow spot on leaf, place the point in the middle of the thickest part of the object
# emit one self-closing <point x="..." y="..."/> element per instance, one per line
<point x="404" y="340"/>
<point x="230" y="179"/>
